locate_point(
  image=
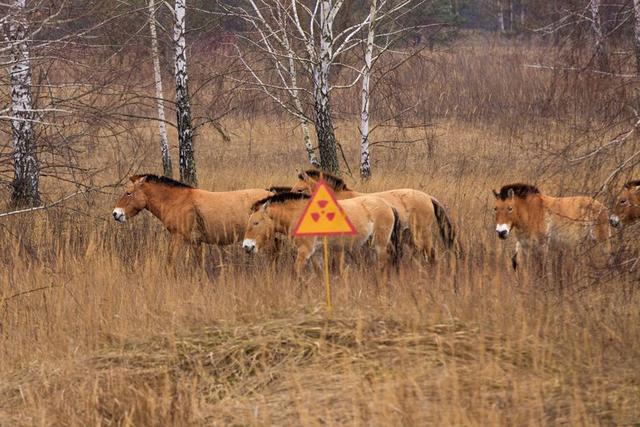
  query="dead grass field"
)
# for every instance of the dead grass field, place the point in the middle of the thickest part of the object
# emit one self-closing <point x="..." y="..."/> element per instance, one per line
<point x="96" y="330"/>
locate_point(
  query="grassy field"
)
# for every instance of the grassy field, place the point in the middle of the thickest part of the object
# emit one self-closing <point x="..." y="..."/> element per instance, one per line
<point x="95" y="329"/>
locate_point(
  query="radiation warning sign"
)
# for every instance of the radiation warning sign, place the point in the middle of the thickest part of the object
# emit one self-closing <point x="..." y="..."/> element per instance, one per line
<point x="323" y="215"/>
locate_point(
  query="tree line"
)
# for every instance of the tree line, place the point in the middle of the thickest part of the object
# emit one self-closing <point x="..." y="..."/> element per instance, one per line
<point x="290" y="51"/>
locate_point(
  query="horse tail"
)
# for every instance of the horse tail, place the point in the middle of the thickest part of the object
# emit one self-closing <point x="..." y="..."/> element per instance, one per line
<point x="396" y="238"/>
<point x="447" y="232"/>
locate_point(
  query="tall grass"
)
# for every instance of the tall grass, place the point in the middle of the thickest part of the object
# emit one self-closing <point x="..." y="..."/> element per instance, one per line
<point x="96" y="328"/>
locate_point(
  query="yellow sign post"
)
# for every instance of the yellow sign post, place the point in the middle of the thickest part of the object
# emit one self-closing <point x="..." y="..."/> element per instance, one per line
<point x="324" y="217"/>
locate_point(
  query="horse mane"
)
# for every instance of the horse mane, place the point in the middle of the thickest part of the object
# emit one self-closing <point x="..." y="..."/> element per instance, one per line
<point x="161" y="180"/>
<point x="279" y="198"/>
<point x="632" y="184"/>
<point x="334" y="181"/>
<point x="519" y="190"/>
<point x="279" y="189"/>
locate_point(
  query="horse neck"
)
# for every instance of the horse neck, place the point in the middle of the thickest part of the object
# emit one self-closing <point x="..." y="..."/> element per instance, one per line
<point x="347" y="194"/>
<point x="161" y="199"/>
<point x="286" y="215"/>
<point x="532" y="214"/>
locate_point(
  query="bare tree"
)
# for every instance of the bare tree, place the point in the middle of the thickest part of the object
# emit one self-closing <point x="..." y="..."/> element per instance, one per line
<point x="25" y="161"/>
<point x="183" y="106"/>
<point x="296" y="36"/>
<point x="636" y="32"/>
<point x="601" y="54"/>
<point x="365" y="96"/>
<point x="162" y="127"/>
<point x="501" y="25"/>
<point x="286" y="67"/>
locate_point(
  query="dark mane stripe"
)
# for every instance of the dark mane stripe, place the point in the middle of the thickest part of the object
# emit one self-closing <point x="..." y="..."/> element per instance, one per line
<point x="160" y="180"/>
<point x="519" y="190"/>
<point x="334" y="181"/>
<point x="279" y="189"/>
<point x="279" y="198"/>
<point x="632" y="184"/>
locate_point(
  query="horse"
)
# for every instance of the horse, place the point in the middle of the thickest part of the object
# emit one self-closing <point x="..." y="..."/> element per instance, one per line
<point x="373" y="219"/>
<point x="191" y="215"/>
<point x="417" y="211"/>
<point x="538" y="220"/>
<point x="626" y="209"/>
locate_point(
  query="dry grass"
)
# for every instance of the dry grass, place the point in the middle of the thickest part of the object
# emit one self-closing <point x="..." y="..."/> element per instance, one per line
<point x="95" y="329"/>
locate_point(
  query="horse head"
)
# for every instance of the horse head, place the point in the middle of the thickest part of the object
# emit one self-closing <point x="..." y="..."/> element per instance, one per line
<point x="260" y="230"/>
<point x="132" y="201"/>
<point x="305" y="183"/>
<point x="627" y="205"/>
<point x="506" y="211"/>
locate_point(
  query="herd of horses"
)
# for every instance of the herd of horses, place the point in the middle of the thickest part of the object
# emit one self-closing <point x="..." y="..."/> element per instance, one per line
<point x="385" y="221"/>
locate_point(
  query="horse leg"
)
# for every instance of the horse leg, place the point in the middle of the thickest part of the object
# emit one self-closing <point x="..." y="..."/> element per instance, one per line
<point x="305" y="251"/>
<point x="514" y="258"/>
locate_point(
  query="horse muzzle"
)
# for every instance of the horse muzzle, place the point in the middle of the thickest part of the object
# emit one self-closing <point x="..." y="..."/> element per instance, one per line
<point x="614" y="220"/>
<point x="503" y="231"/>
<point x="249" y="246"/>
<point x="119" y="215"/>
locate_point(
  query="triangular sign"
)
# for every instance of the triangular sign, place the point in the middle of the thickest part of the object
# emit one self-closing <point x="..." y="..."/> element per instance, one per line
<point x="323" y="215"/>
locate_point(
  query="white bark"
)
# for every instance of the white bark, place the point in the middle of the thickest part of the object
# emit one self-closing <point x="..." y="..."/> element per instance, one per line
<point x="295" y="95"/>
<point x="183" y="107"/>
<point x="297" y="35"/>
<point x="501" y="16"/>
<point x="26" y="168"/>
<point x="162" y="127"/>
<point x="321" y="83"/>
<point x="601" y="54"/>
<point x="636" y="28"/>
<point x="365" y="163"/>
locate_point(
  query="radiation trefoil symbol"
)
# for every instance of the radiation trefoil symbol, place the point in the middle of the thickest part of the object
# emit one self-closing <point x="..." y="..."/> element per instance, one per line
<point x="323" y="215"/>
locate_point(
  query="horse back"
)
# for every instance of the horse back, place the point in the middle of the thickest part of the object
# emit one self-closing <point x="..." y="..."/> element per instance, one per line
<point x="369" y="213"/>
<point x="221" y="217"/>
<point x="574" y="218"/>
<point x="411" y="204"/>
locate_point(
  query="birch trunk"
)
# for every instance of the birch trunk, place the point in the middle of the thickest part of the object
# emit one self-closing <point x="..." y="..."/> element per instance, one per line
<point x="501" y="17"/>
<point x="26" y="178"/>
<point x="522" y="14"/>
<point x="365" y="163"/>
<point x="162" y="128"/>
<point x="324" y="125"/>
<point x="510" y="15"/>
<point x="636" y="28"/>
<point x="601" y="54"/>
<point x="183" y="107"/>
<point x="295" y="94"/>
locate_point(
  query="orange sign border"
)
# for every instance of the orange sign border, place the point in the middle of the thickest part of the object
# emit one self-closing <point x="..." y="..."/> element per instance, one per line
<point x="319" y="184"/>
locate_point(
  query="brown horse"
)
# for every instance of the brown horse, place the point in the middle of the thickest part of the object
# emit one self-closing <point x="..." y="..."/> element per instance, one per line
<point x="374" y="220"/>
<point x="417" y="211"/>
<point x="191" y="215"/>
<point x="538" y="220"/>
<point x="626" y="209"/>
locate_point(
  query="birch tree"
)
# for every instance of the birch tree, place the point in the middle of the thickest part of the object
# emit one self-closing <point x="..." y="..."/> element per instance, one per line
<point x="295" y="35"/>
<point x="162" y="127"/>
<point x="365" y="96"/>
<point x="26" y="179"/>
<point x="501" y="25"/>
<point x="636" y="32"/>
<point x="601" y="55"/>
<point x="183" y="107"/>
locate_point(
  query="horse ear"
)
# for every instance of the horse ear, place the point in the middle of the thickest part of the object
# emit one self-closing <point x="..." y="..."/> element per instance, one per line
<point x="138" y="179"/>
<point x="303" y="175"/>
<point x="510" y="193"/>
<point x="495" y="194"/>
